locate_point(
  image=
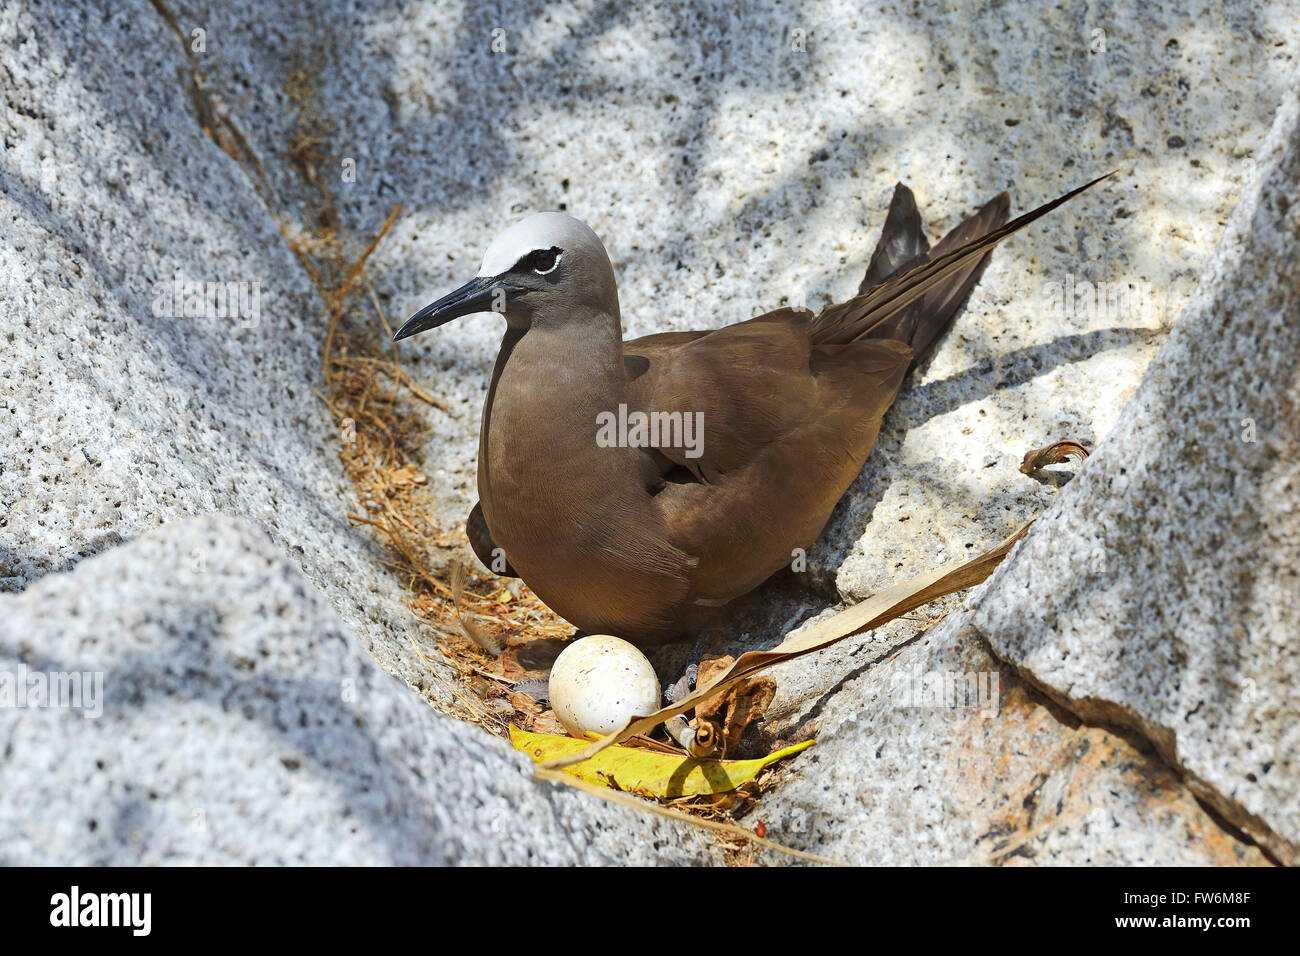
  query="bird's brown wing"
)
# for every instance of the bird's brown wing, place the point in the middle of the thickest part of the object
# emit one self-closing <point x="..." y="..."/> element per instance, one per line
<point x="791" y="405"/>
<point x="785" y="426"/>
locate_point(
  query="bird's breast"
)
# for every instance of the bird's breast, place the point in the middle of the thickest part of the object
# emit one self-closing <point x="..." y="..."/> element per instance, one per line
<point x="568" y="505"/>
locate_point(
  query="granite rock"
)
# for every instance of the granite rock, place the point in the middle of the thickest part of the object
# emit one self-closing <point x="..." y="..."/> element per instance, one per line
<point x="1162" y="590"/>
<point x="124" y="408"/>
<point x="932" y="752"/>
<point x="227" y="715"/>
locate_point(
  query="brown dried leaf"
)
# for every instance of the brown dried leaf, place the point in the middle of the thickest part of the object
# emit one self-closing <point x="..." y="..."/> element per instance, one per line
<point x="544" y="723"/>
<point x="649" y="743"/>
<point x="749" y="702"/>
<point x="736" y="709"/>
<point x="710" y="669"/>
<point x="525" y="703"/>
<point x="508" y="665"/>
<point x="473" y="630"/>
<point x="1051" y="455"/>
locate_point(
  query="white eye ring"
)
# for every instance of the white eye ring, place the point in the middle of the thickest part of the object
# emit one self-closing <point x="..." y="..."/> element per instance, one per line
<point x="542" y="252"/>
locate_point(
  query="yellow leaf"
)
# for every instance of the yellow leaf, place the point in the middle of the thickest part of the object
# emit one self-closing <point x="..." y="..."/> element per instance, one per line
<point x="645" y="771"/>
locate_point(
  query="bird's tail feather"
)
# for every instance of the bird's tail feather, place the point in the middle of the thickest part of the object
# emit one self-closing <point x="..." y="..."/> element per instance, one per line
<point x="911" y="293"/>
<point x="902" y="242"/>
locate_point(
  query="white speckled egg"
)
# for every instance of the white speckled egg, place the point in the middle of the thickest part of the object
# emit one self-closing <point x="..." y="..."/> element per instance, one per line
<point x="598" y="682"/>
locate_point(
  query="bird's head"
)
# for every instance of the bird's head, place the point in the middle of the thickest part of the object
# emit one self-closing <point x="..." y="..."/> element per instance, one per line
<point x="542" y="269"/>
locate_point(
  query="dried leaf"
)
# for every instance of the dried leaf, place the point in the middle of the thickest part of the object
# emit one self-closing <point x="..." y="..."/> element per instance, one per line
<point x="473" y="630"/>
<point x="539" y="688"/>
<point x="871" y="613"/>
<point x="649" y="743"/>
<point x="749" y="702"/>
<point x="645" y="771"/>
<point x="508" y="666"/>
<point x="545" y="723"/>
<point x="711" y="666"/>
<point x="739" y="707"/>
<point x="1051" y="455"/>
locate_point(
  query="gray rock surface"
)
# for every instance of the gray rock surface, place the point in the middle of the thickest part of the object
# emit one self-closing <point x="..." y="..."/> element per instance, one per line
<point x="1162" y="591"/>
<point x="241" y="723"/>
<point x="119" y="414"/>
<point x="986" y="773"/>
<point x="733" y="161"/>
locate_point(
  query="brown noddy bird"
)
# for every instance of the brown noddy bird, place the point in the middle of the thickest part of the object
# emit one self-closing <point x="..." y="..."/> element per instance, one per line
<point x="639" y="487"/>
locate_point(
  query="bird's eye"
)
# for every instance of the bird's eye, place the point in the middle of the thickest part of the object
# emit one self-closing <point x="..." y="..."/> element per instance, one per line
<point x="544" y="260"/>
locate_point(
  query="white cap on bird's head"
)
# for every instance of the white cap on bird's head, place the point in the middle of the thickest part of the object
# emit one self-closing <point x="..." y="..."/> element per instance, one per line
<point x="548" y="263"/>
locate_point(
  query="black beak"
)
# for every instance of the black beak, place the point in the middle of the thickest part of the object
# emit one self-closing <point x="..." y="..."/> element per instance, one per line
<point x="477" y="295"/>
